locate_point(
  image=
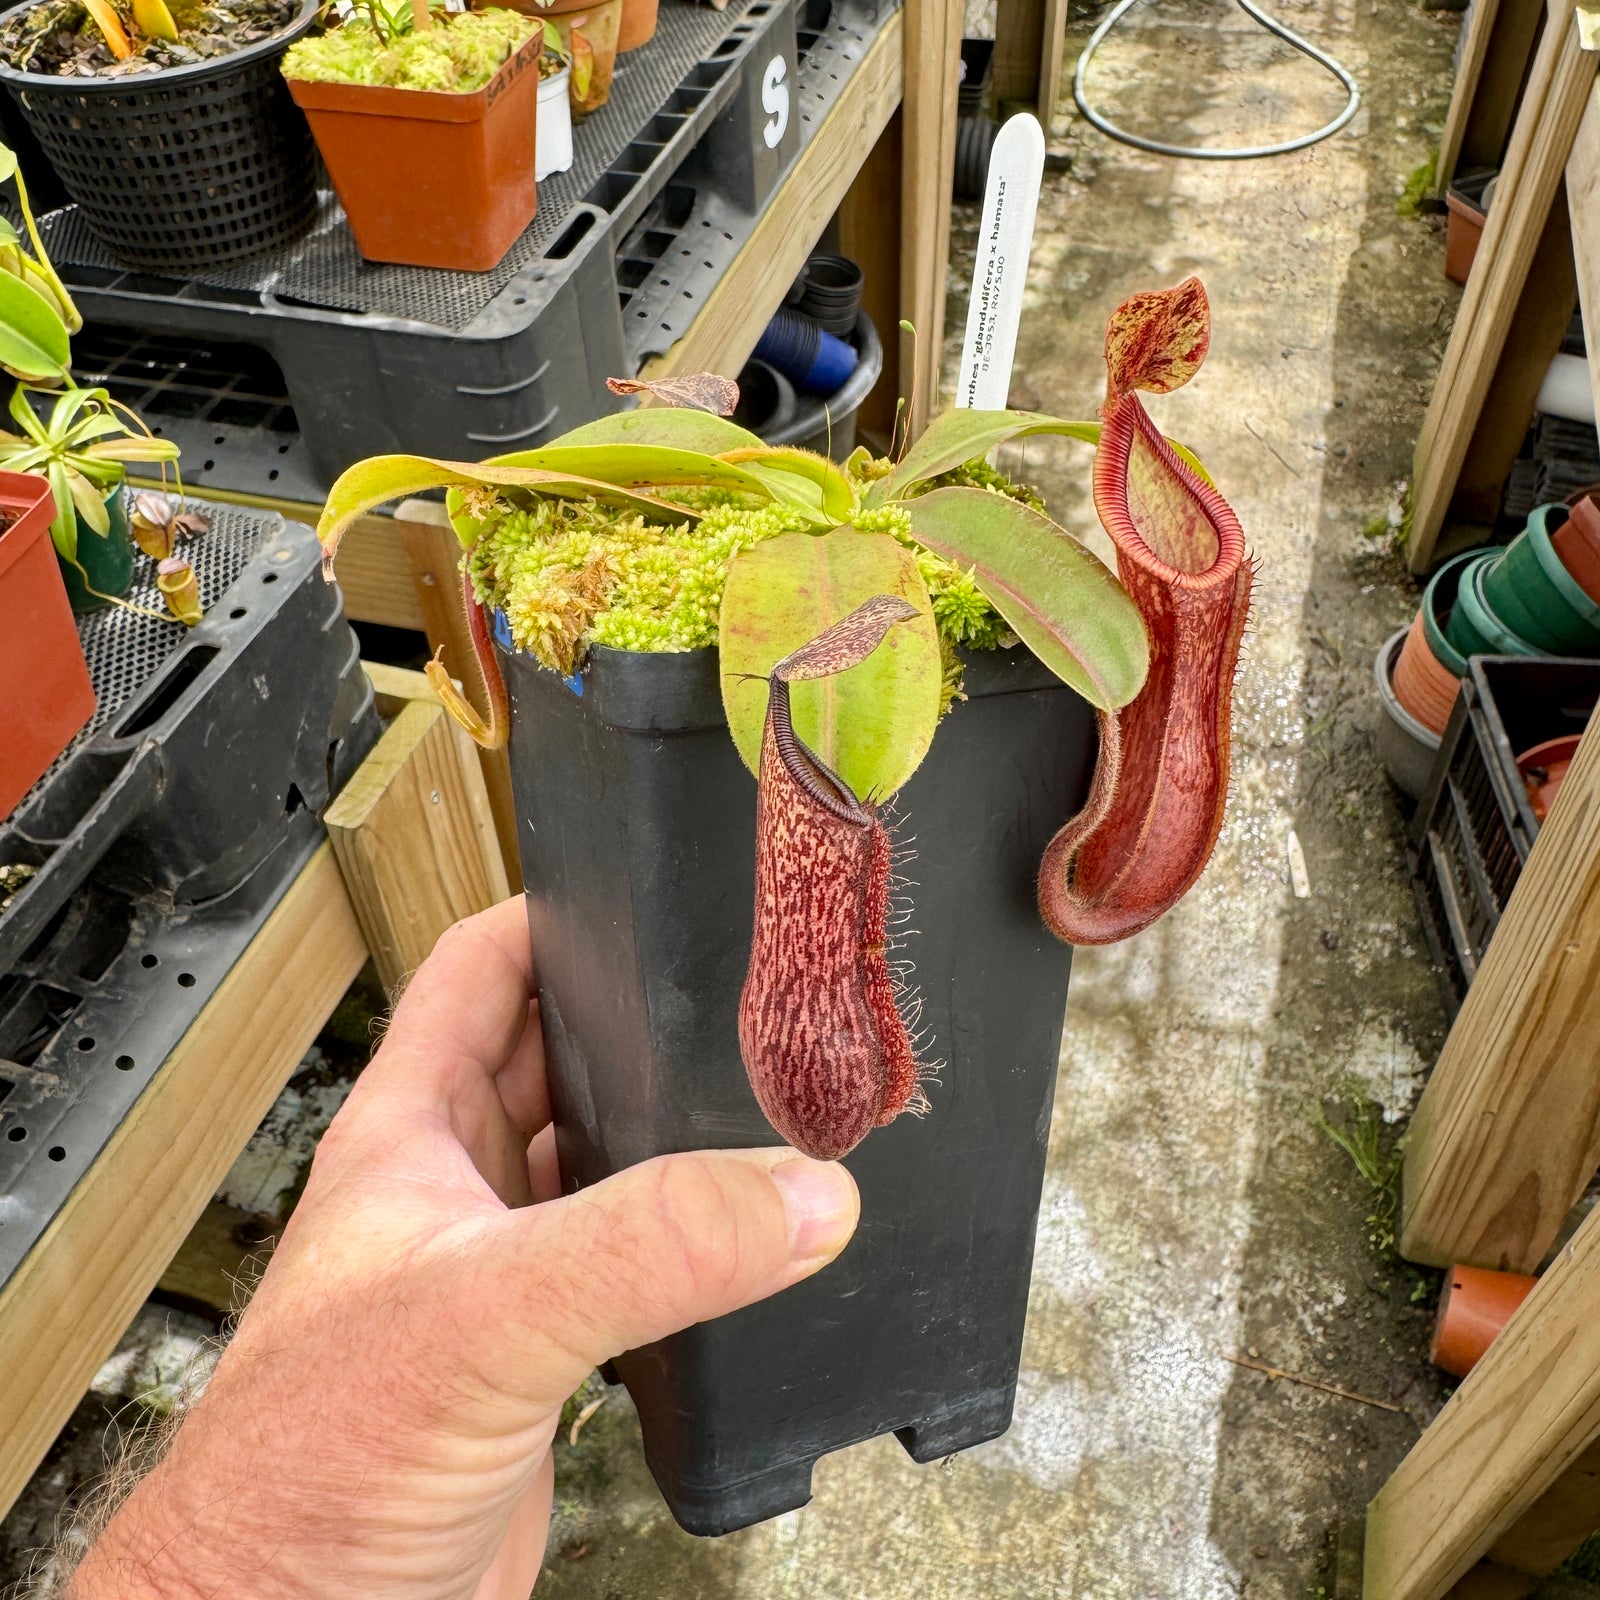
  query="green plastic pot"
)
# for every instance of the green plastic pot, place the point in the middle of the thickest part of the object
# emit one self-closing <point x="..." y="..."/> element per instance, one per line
<point x="106" y="561"/>
<point x="1439" y="604"/>
<point x="1475" y="629"/>
<point x="1530" y="590"/>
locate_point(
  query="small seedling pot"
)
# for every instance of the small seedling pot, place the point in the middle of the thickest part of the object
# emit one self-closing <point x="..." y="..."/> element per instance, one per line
<point x="104" y="569"/>
<point x="1530" y="590"/>
<point x="47" y="694"/>
<point x="1406" y="746"/>
<point x="432" y="179"/>
<point x="1422" y="683"/>
<point x="637" y="825"/>
<point x="1544" y="770"/>
<point x="1474" y="628"/>
<point x="1577" y="542"/>
<point x="1474" y="1305"/>
<point x="553" y="141"/>
<point x="637" y="25"/>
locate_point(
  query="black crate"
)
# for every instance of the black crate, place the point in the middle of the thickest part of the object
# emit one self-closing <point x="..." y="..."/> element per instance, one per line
<point x="162" y="839"/>
<point x="669" y="181"/>
<point x="1474" y="825"/>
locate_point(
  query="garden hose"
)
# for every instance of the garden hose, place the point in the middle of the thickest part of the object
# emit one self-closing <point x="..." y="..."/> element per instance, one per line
<point x="1248" y="153"/>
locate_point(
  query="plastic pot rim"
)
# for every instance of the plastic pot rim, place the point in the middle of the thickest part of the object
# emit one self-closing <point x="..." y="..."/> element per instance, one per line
<point x="192" y="72"/>
<point x="1502" y="640"/>
<point x="1555" y="569"/>
<point x="1444" y="652"/>
<point x="1383" y="676"/>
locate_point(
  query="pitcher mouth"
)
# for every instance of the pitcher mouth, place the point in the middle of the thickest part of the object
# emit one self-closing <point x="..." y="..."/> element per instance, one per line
<point x="1126" y="424"/>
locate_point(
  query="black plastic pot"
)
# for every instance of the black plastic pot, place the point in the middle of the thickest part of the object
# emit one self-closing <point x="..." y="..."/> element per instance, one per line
<point x="767" y="400"/>
<point x="637" y="830"/>
<point x="975" y="137"/>
<point x="977" y="62"/>
<point x="186" y="167"/>
<point x="832" y="294"/>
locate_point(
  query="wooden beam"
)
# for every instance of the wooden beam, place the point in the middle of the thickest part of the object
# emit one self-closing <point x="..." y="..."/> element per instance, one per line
<point x="1019" y="31"/>
<point x="932" y="68"/>
<point x="64" y="1308"/>
<point x="1505" y="1483"/>
<point x="736" y="311"/>
<point x="1507" y="1133"/>
<point x="869" y="233"/>
<point x="414" y="836"/>
<point x="432" y="555"/>
<point x="1471" y="54"/>
<point x="1583" y="202"/>
<point x="1052" y="65"/>
<point x="1496" y="51"/>
<point x="1558" y="90"/>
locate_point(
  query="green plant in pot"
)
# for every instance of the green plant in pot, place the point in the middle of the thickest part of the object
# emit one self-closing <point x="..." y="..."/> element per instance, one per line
<point x="83" y="449"/>
<point x="909" y="656"/>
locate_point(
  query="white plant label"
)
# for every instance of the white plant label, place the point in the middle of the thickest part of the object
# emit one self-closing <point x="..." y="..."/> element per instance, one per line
<point x="775" y="101"/>
<point x="1010" y="204"/>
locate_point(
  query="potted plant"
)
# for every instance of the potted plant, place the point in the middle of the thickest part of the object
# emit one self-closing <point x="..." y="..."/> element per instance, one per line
<point x="171" y="129"/>
<point x="553" y="145"/>
<point x="427" y="126"/>
<point x="591" y="31"/>
<point x="907" y="637"/>
<point x="82" y="449"/>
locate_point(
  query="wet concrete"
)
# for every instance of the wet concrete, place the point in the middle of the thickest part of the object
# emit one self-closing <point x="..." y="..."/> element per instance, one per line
<point x="1193" y="1208"/>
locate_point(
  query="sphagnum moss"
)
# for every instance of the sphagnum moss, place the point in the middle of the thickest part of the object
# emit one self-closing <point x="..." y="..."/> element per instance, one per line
<point x="570" y="573"/>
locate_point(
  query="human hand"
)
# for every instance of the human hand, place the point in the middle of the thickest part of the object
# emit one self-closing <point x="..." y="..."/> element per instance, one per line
<point x="381" y="1422"/>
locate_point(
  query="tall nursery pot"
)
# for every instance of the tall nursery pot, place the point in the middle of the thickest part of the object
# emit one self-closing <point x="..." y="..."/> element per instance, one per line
<point x="600" y="22"/>
<point x="638" y="24"/>
<point x="185" y="167"/>
<point x="45" y="693"/>
<point x="432" y="179"/>
<point x="637" y="830"/>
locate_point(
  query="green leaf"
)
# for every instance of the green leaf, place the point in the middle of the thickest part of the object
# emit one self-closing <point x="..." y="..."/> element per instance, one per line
<point x="1063" y="604"/>
<point x="830" y="491"/>
<point x="133" y="448"/>
<point x="26" y="418"/>
<point x="89" y="502"/>
<point x="8" y="162"/>
<point x="635" y="465"/>
<point x="33" y="338"/>
<point x="676" y="428"/>
<point x="873" y="724"/>
<point x="8" y="234"/>
<point x="380" y="479"/>
<point x="64" y="529"/>
<point x="957" y="437"/>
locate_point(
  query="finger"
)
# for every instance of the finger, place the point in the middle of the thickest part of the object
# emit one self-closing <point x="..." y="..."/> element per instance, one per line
<point x="664" y="1245"/>
<point x="544" y="1175"/>
<point x="468" y="1019"/>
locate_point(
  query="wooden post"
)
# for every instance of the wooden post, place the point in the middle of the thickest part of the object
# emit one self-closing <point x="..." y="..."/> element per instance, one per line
<point x="1505" y="1484"/>
<point x="1583" y="204"/>
<point x="932" y="66"/>
<point x="869" y="233"/>
<point x="1495" y="51"/>
<point x="1507" y="1133"/>
<point x="414" y="836"/>
<point x="1558" y="89"/>
<point x="64" y="1308"/>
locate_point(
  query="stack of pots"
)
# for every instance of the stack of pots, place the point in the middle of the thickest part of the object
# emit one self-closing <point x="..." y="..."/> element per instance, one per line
<point x="808" y="340"/>
<point x="1537" y="596"/>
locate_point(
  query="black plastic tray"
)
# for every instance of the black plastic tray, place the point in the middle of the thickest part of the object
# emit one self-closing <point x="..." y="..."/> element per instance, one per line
<point x="162" y="840"/>
<point x="1474" y="826"/>
<point x="308" y="359"/>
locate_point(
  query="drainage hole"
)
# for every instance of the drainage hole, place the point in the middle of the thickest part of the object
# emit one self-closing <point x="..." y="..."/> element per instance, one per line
<point x="271" y="577"/>
<point x="86" y="1043"/>
<point x="124" y="1063"/>
<point x="237" y="612"/>
<point x="57" y="1152"/>
<point x="150" y="961"/>
<point x="17" y="1135"/>
<point x="186" y="980"/>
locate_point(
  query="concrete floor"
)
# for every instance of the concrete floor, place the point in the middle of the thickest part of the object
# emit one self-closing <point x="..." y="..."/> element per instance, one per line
<point x="1193" y="1208"/>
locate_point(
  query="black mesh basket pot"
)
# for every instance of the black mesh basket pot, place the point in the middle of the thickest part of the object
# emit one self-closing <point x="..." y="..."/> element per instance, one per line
<point x="636" y="822"/>
<point x="184" y="167"/>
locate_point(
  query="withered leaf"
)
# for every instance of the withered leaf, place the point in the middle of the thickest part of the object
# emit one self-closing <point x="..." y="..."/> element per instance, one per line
<point x="701" y="391"/>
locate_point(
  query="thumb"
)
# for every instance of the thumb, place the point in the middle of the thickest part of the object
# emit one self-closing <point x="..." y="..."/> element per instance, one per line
<point x="669" y="1243"/>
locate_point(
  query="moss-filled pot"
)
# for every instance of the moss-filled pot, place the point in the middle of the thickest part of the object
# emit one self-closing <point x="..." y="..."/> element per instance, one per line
<point x="637" y="831"/>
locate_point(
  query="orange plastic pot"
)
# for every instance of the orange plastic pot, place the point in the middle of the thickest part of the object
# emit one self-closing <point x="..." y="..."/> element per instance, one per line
<point x="1462" y="232"/>
<point x="1475" y="1305"/>
<point x="1422" y="683"/>
<point x="638" y="24"/>
<point x="1544" y="770"/>
<point x="45" y="693"/>
<point x="1577" y="542"/>
<point x="432" y="179"/>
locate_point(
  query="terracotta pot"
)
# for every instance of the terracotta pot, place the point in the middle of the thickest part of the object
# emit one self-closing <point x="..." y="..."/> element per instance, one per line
<point x="45" y="693"/>
<point x="638" y="24"/>
<point x="1544" y="770"/>
<point x="600" y="23"/>
<point x="1577" y="542"/>
<point x="1475" y="1305"/>
<point x="1462" y="231"/>
<point x="1422" y="683"/>
<point x="431" y="179"/>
